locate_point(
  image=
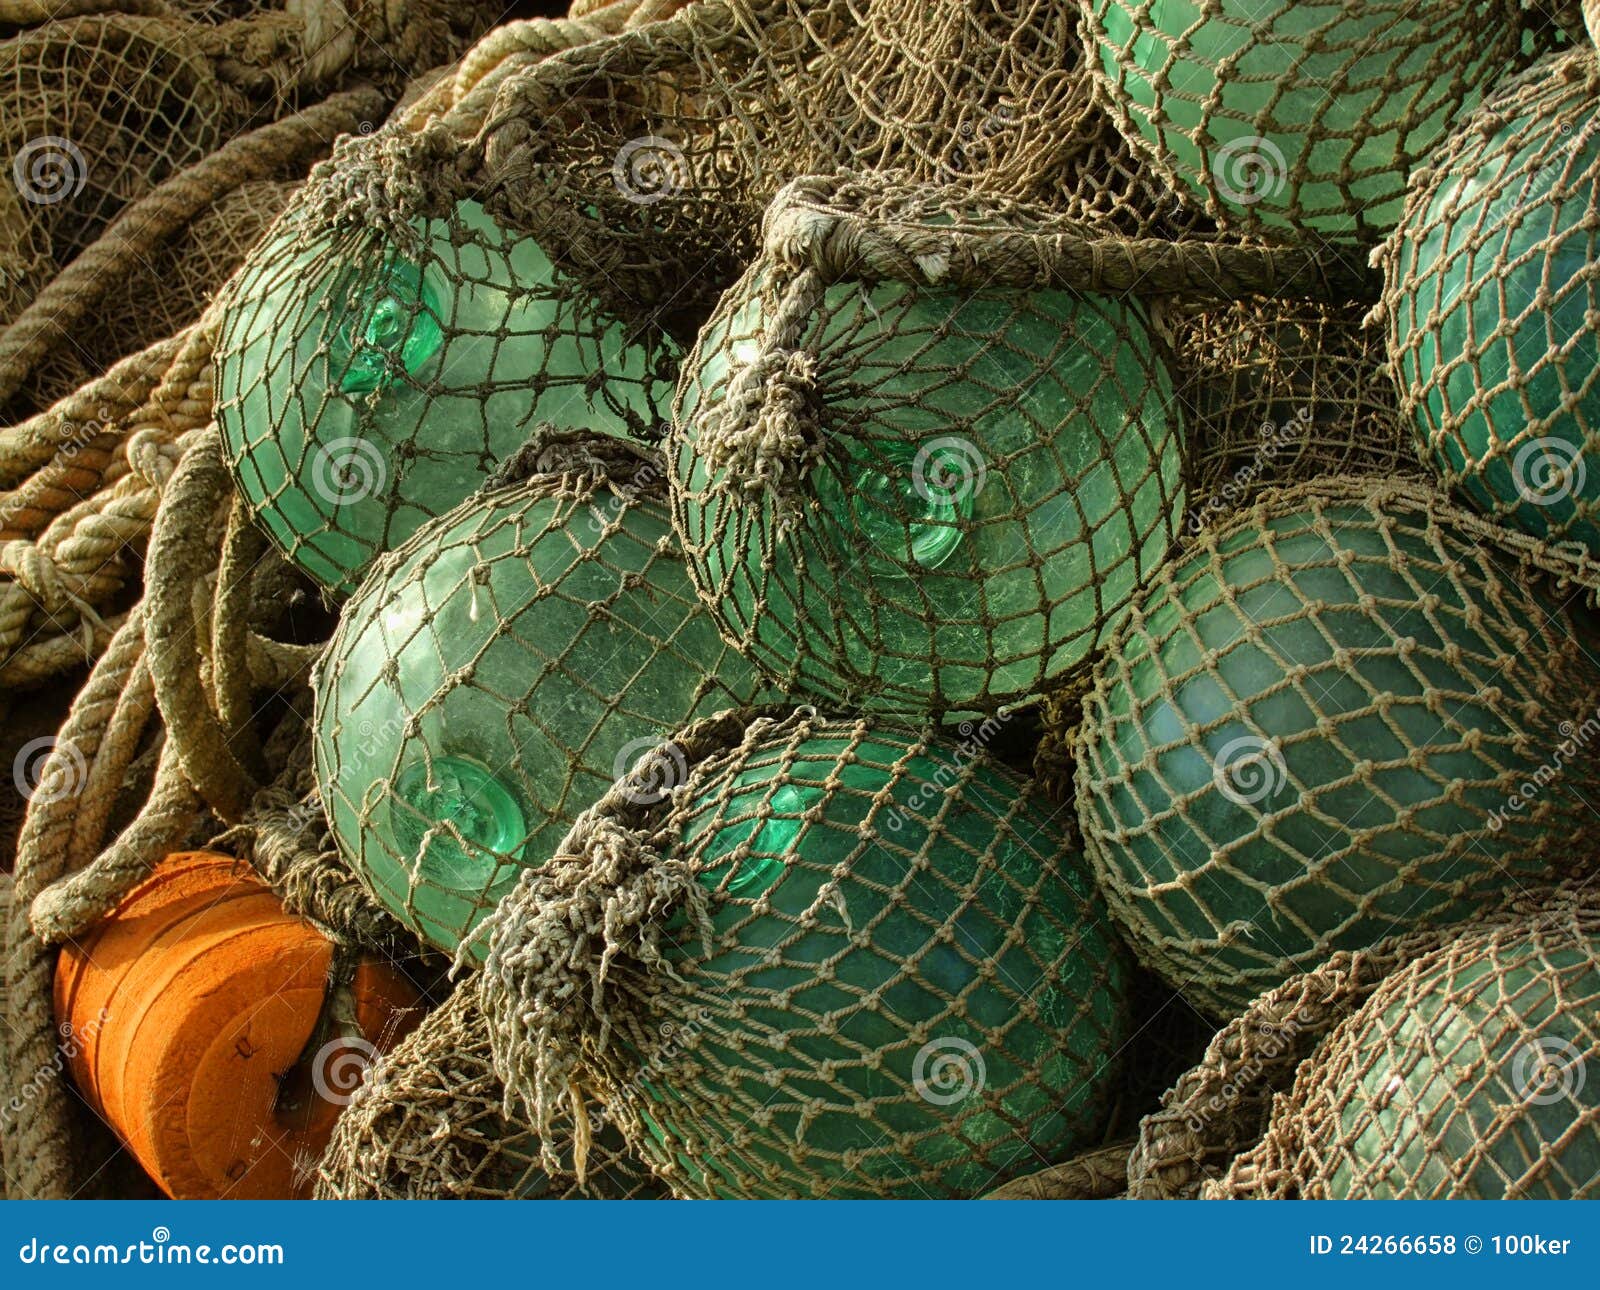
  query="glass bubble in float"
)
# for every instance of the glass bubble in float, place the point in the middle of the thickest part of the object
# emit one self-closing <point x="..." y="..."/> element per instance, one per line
<point x="1302" y="114"/>
<point x="989" y="474"/>
<point x="365" y="384"/>
<point x="492" y="678"/>
<point x="1492" y="287"/>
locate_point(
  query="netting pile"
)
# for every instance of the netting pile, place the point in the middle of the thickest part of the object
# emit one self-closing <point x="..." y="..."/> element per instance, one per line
<point x="1490" y="294"/>
<point x="839" y="959"/>
<point x="1341" y="712"/>
<point x="1433" y="1066"/>
<point x="430" y="1124"/>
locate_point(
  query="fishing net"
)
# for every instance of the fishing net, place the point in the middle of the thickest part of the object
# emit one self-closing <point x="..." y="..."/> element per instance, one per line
<point x="1345" y="711"/>
<point x="923" y="455"/>
<point x="1295" y="118"/>
<point x="493" y="677"/>
<point x="1279" y="391"/>
<point x="822" y="958"/>
<point x="376" y="360"/>
<point x="167" y="295"/>
<point x="1438" y="1065"/>
<point x="431" y="1124"/>
<point x="1490" y="292"/>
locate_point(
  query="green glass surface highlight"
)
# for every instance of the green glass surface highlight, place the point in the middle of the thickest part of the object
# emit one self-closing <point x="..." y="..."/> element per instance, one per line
<point x="1225" y="639"/>
<point x="1303" y="82"/>
<point x="493" y="680"/>
<point x="1437" y="1079"/>
<point x="1523" y="200"/>
<point x="364" y="388"/>
<point x="453" y="793"/>
<point x="985" y="950"/>
<point x="997" y="473"/>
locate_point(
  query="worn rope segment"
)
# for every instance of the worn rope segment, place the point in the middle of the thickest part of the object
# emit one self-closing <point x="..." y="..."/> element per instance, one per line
<point x="39" y="1146"/>
<point x="434" y="1128"/>
<point x="1095" y="1175"/>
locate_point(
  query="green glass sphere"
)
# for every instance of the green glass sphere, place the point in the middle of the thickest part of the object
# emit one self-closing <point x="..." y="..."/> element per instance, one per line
<point x="1475" y="1081"/>
<point x="994" y="473"/>
<point x="1491" y="301"/>
<point x="492" y="678"/>
<point x="909" y="990"/>
<point x="1304" y="114"/>
<point x="364" y="387"/>
<point x="1337" y="726"/>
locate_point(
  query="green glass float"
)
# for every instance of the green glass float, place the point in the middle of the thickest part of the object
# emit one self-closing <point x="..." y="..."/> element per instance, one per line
<point x="1336" y="719"/>
<point x="1491" y="292"/>
<point x="365" y="386"/>
<point x="1474" y="1081"/>
<point x="493" y="677"/>
<point x="989" y="476"/>
<point x="1304" y="114"/>
<point x="909" y="988"/>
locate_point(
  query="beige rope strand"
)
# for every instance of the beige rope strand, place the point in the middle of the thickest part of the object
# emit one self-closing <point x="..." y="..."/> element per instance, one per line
<point x="155" y="217"/>
<point x="38" y="1145"/>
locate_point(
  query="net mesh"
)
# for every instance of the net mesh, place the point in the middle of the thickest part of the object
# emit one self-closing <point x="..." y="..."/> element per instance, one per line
<point x="429" y="1123"/>
<point x="99" y="109"/>
<point x="1460" y="1076"/>
<point x="1342" y="713"/>
<point x="1490" y="292"/>
<point x="1279" y="391"/>
<point x="839" y="959"/>
<point x="1290" y="118"/>
<point x="911" y="495"/>
<point x="375" y="364"/>
<point x="493" y="677"/>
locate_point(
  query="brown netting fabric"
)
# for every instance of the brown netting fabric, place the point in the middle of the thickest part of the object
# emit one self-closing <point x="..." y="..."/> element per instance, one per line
<point x="1279" y="391"/>
<point x="99" y="109"/>
<point x="429" y="1123"/>
<point x="1442" y="1064"/>
<point x="1299" y="119"/>
<point x="168" y="292"/>
<point x="929" y="445"/>
<point x="1491" y="290"/>
<point x="801" y="956"/>
<point x="1347" y="710"/>
<point x="514" y="656"/>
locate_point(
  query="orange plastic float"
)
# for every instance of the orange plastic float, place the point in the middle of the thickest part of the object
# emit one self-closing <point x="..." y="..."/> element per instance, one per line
<point x="191" y="1010"/>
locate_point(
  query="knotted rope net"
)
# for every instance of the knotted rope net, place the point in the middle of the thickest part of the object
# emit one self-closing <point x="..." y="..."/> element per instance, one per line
<point x="1438" y="1065"/>
<point x="819" y="957"/>
<point x="928" y="446"/>
<point x="1347" y="710"/>
<point x="1303" y="121"/>
<point x="1489" y="299"/>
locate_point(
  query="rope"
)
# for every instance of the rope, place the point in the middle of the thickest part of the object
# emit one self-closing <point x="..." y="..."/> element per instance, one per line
<point x="167" y="208"/>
